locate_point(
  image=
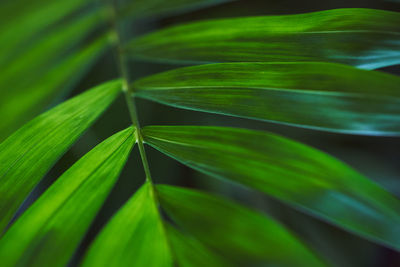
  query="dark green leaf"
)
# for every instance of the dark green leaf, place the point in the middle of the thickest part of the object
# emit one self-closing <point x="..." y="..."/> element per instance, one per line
<point x="25" y="102"/>
<point x="48" y="233"/>
<point x="236" y="232"/>
<point x="48" y="48"/>
<point x="29" y="153"/>
<point x="189" y="252"/>
<point x="148" y="8"/>
<point x="45" y="76"/>
<point x="25" y="20"/>
<point x="135" y="236"/>
<point x="323" y="96"/>
<point x="294" y="173"/>
<point x="365" y="38"/>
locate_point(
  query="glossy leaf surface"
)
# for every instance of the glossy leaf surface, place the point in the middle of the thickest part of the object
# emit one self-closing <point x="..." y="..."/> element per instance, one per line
<point x="27" y="155"/>
<point x="292" y="172"/>
<point x="365" y="38"/>
<point x="325" y="96"/>
<point x="48" y="233"/>
<point x="236" y="232"/>
<point x="122" y="240"/>
<point x="137" y="235"/>
<point x="134" y="237"/>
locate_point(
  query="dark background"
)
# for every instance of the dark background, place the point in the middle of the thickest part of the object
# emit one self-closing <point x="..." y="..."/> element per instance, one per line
<point x="376" y="157"/>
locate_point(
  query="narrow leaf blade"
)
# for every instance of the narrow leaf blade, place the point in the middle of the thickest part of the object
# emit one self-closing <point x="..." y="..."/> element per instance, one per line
<point x="26" y="21"/>
<point x="242" y="235"/>
<point x="189" y="252"/>
<point x="323" y="96"/>
<point x="27" y="102"/>
<point x="365" y="38"/>
<point x="48" y="233"/>
<point x="29" y="153"/>
<point x="46" y="67"/>
<point x="134" y="237"/>
<point x="137" y="236"/>
<point x="289" y="171"/>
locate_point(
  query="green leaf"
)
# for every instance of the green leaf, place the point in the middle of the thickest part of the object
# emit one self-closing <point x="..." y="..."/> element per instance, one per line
<point x="324" y="96"/>
<point x="289" y="171"/>
<point x="234" y="231"/>
<point x="138" y="236"/>
<point x="189" y="252"/>
<point x="149" y="8"/>
<point x="365" y="38"/>
<point x="48" y="233"/>
<point x="47" y="49"/>
<point x="27" y="102"/>
<point x="134" y="237"/>
<point x="44" y="76"/>
<point x="27" y="155"/>
<point x="25" y="20"/>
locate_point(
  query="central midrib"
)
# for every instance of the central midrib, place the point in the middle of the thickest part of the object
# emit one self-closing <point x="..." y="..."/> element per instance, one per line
<point x="127" y="90"/>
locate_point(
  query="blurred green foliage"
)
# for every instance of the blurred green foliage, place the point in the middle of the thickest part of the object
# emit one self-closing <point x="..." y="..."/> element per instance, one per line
<point x="45" y="60"/>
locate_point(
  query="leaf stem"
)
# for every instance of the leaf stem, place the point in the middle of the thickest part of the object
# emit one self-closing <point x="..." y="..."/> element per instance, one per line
<point x="129" y="99"/>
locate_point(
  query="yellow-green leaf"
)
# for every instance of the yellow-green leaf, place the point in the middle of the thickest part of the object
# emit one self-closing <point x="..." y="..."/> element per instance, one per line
<point x="138" y="236"/>
<point x="135" y="236"/>
<point x="27" y="155"/>
<point x="48" y="233"/>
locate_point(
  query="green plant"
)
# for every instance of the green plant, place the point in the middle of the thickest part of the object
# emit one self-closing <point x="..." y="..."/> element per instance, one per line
<point x="311" y="70"/>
